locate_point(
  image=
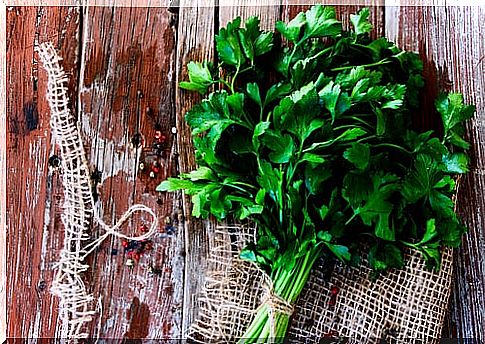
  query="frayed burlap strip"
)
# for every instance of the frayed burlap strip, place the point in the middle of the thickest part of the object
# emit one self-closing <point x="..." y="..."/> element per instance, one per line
<point x="399" y="305"/>
<point x="76" y="305"/>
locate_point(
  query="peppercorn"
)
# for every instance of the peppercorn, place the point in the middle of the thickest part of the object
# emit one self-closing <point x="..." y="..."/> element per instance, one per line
<point x="42" y="285"/>
<point x="170" y="229"/>
<point x="137" y="140"/>
<point x="334" y="290"/>
<point x="154" y="270"/>
<point x="54" y="161"/>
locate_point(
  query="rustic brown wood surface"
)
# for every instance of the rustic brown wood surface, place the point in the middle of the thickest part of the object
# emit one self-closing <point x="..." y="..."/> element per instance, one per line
<point x="124" y="64"/>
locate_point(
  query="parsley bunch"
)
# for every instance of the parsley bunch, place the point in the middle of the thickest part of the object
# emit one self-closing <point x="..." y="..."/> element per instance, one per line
<point x="313" y="141"/>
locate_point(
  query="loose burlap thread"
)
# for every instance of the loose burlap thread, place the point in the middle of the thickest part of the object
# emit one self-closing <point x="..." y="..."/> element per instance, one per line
<point x="77" y="306"/>
<point x="400" y="306"/>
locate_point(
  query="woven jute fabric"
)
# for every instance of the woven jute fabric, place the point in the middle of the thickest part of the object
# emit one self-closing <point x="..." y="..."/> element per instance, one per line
<point x="232" y="291"/>
<point x="400" y="306"/>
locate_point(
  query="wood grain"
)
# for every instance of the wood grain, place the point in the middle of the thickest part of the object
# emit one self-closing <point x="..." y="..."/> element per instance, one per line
<point x="126" y="67"/>
<point x="451" y="41"/>
<point x="3" y="176"/>
<point x="195" y="37"/>
<point x="126" y="94"/>
<point x="33" y="225"/>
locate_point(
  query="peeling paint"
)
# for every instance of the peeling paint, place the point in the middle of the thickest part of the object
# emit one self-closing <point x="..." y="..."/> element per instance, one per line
<point x="115" y="158"/>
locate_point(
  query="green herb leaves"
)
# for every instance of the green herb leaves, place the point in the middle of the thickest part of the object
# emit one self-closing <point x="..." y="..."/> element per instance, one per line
<point x="360" y="22"/>
<point x="200" y="77"/>
<point x="317" y="22"/>
<point x="313" y="141"/>
<point x="236" y="46"/>
<point x="453" y="113"/>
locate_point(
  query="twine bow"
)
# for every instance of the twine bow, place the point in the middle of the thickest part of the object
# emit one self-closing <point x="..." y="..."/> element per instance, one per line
<point x="114" y="230"/>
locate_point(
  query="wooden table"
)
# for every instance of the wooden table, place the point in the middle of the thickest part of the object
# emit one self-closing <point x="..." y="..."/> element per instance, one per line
<point x="124" y="65"/>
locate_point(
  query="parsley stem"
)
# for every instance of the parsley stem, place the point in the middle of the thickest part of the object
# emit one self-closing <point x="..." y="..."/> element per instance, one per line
<point x="269" y="116"/>
<point x="298" y="161"/>
<point x="224" y="82"/>
<point x="295" y="48"/>
<point x="378" y="63"/>
<point x="351" y="218"/>
<point x="246" y="69"/>
<point x="415" y="246"/>
<point x="370" y="137"/>
<point x="347" y="126"/>
<point x="237" y="188"/>
<point x="320" y="53"/>
<point x="390" y="145"/>
<point x="245" y="184"/>
<point x="234" y="78"/>
<point x="360" y="120"/>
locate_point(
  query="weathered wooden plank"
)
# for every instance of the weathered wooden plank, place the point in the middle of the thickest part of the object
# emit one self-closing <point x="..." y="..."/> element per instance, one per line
<point x="126" y="95"/>
<point x="3" y="177"/>
<point x="451" y="41"/>
<point x="33" y="228"/>
<point x="195" y="37"/>
<point x="267" y="11"/>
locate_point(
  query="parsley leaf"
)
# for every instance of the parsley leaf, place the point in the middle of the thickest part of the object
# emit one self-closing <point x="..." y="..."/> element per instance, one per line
<point x="360" y="22"/>
<point x="200" y="77"/>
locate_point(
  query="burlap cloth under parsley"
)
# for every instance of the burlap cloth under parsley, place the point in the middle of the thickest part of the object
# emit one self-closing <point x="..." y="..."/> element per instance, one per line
<point x="400" y="306"/>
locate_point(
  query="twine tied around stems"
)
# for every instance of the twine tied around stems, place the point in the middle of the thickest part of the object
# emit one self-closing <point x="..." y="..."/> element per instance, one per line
<point x="275" y="304"/>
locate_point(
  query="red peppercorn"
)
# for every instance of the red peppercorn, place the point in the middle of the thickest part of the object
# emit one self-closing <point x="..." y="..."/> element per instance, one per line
<point x="158" y="134"/>
<point x="124" y="243"/>
<point x="155" y="168"/>
<point x="334" y="290"/>
<point x="136" y="256"/>
<point x="130" y="254"/>
<point x="162" y="139"/>
<point x="143" y="228"/>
